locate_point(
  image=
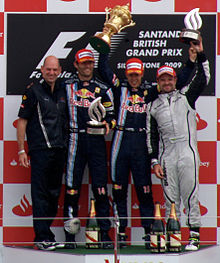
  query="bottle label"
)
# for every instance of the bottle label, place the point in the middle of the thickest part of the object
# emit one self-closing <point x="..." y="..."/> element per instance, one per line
<point x="162" y="241"/>
<point x="174" y="240"/>
<point x="153" y="241"/>
<point x="158" y="242"/>
<point x="92" y="236"/>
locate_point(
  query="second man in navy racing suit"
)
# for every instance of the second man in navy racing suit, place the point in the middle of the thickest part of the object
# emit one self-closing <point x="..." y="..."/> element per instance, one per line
<point x="128" y="151"/>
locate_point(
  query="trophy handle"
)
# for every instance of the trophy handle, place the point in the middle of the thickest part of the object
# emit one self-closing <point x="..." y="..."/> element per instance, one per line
<point x="132" y="23"/>
<point x="91" y="114"/>
<point x="100" y="113"/>
<point x="96" y="112"/>
<point x="107" y="10"/>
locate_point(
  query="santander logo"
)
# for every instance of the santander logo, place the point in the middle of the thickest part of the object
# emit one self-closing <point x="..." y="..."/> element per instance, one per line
<point x="24" y="208"/>
<point x="15" y="123"/>
<point x="203" y="210"/>
<point x="201" y="124"/>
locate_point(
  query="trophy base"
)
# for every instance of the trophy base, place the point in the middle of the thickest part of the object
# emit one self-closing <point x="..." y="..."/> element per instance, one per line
<point x="190" y="35"/>
<point x="96" y="129"/>
<point x="99" y="45"/>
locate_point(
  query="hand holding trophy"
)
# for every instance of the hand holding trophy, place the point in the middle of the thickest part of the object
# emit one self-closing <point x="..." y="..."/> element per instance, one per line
<point x="120" y="18"/>
<point x="96" y="113"/>
<point x="192" y="22"/>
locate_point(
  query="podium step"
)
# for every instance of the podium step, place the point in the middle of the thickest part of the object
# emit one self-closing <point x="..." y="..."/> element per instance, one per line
<point x="132" y="254"/>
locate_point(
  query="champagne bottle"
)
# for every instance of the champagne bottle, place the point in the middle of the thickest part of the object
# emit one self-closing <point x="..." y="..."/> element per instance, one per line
<point x="92" y="228"/>
<point x="173" y="231"/>
<point x="157" y="237"/>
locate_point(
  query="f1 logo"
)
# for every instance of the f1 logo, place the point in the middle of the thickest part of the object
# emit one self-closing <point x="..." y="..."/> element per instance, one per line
<point x="58" y="47"/>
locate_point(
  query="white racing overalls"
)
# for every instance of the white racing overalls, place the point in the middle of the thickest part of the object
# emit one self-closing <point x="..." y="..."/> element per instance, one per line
<point x="172" y="122"/>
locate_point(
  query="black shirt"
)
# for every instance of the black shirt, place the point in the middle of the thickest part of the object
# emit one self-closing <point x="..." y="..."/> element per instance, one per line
<point x="46" y="113"/>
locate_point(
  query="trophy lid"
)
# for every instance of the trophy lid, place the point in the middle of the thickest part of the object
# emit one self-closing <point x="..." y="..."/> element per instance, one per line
<point x="193" y="20"/>
<point x="122" y="10"/>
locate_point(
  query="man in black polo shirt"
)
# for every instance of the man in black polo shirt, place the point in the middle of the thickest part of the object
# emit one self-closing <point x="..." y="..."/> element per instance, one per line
<point x="42" y="117"/>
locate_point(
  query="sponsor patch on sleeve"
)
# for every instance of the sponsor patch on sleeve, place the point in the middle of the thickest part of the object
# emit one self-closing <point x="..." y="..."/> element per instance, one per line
<point x="107" y="104"/>
<point x="97" y="90"/>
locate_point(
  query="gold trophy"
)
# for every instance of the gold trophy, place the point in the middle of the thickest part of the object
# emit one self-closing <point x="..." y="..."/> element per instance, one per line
<point x="120" y="18"/>
<point x="192" y="22"/>
<point x="96" y="113"/>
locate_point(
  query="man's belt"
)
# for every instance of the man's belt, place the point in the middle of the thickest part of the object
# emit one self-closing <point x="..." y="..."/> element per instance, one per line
<point x="76" y="130"/>
<point x="121" y="128"/>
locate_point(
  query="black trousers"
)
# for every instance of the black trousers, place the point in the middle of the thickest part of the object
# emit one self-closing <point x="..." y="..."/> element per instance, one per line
<point x="131" y="156"/>
<point x="47" y="166"/>
<point x="91" y="150"/>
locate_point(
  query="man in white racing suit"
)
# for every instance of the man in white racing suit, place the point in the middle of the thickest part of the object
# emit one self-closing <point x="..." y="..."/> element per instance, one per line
<point x="172" y="140"/>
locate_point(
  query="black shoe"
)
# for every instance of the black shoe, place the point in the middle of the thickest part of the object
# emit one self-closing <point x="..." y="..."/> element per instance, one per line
<point x="147" y="241"/>
<point x="122" y="240"/>
<point x="70" y="245"/>
<point x="58" y="244"/>
<point x="70" y="241"/>
<point x="106" y="240"/>
<point x="45" y="245"/>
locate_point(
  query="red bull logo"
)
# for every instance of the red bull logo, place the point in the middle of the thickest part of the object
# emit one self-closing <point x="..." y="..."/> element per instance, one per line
<point x="84" y="93"/>
<point x="135" y="108"/>
<point x="135" y="99"/>
<point x="117" y="187"/>
<point x="72" y="192"/>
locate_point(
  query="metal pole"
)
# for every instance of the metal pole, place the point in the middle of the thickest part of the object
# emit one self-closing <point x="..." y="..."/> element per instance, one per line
<point x="116" y="231"/>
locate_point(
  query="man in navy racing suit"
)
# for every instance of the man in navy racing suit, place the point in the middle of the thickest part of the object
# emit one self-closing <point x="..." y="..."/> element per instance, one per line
<point x="85" y="148"/>
<point x="173" y="118"/>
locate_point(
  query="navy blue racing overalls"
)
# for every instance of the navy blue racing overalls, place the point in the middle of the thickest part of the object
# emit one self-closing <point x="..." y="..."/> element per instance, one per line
<point x="87" y="148"/>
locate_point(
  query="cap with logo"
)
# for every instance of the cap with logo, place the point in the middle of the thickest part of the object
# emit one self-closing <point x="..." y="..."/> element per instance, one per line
<point x="83" y="55"/>
<point x="134" y="65"/>
<point x="166" y="70"/>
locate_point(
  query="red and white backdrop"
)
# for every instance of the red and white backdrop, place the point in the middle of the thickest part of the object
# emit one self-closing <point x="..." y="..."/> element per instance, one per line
<point x="31" y="30"/>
